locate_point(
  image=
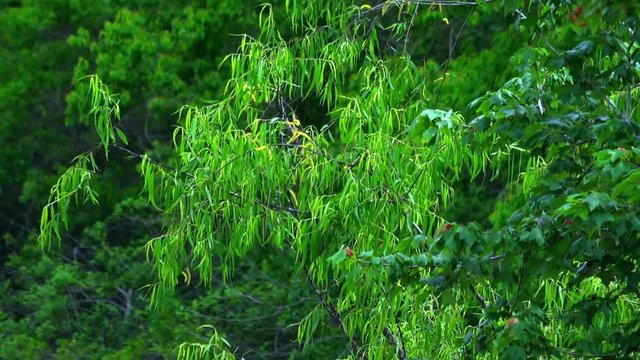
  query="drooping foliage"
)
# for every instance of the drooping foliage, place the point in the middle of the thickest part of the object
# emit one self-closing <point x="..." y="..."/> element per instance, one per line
<point x="88" y="298"/>
<point x="358" y="196"/>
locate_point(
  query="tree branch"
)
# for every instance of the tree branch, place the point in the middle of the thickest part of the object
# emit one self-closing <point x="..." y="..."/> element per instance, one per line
<point x="334" y="313"/>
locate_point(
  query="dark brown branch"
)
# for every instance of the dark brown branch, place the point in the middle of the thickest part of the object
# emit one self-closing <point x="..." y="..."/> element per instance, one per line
<point x="431" y="3"/>
<point x="479" y="297"/>
<point x="401" y="352"/>
<point x="272" y="206"/>
<point x="414" y="182"/>
<point x="157" y="163"/>
<point x="334" y="313"/>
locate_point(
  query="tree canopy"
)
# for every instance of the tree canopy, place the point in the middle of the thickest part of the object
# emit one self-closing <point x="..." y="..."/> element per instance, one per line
<point x="445" y="179"/>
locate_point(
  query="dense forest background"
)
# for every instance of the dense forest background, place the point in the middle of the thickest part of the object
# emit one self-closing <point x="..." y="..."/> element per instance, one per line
<point x="89" y="296"/>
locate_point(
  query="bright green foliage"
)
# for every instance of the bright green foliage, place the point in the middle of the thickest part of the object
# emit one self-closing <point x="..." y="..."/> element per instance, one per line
<point x="358" y="200"/>
<point x="303" y="189"/>
<point x="104" y="107"/>
<point x="88" y="298"/>
<point x="216" y="348"/>
<point x="74" y="184"/>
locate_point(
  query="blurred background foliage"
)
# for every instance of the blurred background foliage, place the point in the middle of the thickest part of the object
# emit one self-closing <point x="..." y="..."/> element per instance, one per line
<point x="87" y="299"/>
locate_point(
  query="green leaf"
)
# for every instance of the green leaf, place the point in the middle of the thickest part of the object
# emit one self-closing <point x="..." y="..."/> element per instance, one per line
<point x="122" y="136"/>
<point x="365" y="255"/>
<point x="429" y="134"/>
<point x="601" y="217"/>
<point x="435" y="281"/>
<point x="582" y="49"/>
<point x="595" y="200"/>
<point x="419" y="241"/>
<point x="338" y="257"/>
<point x="629" y="185"/>
<point x="537" y="236"/>
<point x="421" y="260"/>
<point x="442" y="259"/>
<point x="514" y="352"/>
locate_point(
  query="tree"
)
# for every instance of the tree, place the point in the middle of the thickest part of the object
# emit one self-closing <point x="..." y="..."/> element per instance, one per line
<point x="357" y="197"/>
<point x="87" y="299"/>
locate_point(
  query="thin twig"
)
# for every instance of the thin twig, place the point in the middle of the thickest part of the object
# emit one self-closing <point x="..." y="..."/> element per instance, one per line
<point x="479" y="297"/>
<point x="431" y="3"/>
<point x="157" y="163"/>
<point x="413" y="18"/>
<point x="446" y="67"/>
<point x="402" y="354"/>
<point x="414" y="182"/>
<point x="333" y="312"/>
